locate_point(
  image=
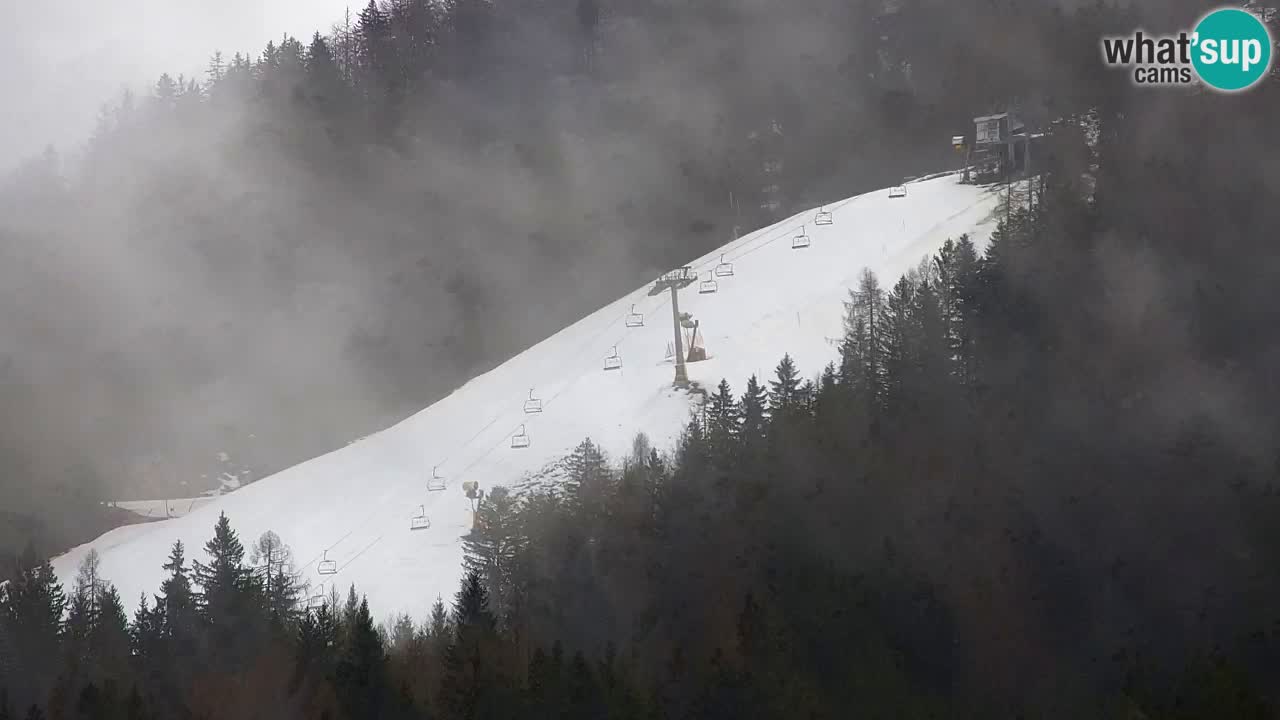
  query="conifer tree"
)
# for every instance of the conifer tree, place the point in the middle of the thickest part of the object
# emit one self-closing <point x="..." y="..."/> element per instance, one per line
<point x="492" y="547"/>
<point x="784" y="390"/>
<point x="722" y="425"/>
<point x="224" y="578"/>
<point x="361" y="672"/>
<point x="176" y="605"/>
<point x="754" y="414"/>
<point x="228" y="600"/>
<point x="439" y="624"/>
<point x="350" y="609"/>
<point x="146" y="634"/>
<point x="958" y="268"/>
<point x="900" y="342"/>
<point x="373" y="36"/>
<point x="470" y="666"/>
<point x="31" y="610"/>
<point x="589" y="482"/>
<point x="109" y="639"/>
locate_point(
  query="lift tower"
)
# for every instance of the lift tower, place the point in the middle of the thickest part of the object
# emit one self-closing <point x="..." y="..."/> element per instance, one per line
<point x="673" y="281"/>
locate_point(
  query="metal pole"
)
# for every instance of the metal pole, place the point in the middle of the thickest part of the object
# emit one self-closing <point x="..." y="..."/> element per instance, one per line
<point x="682" y="377"/>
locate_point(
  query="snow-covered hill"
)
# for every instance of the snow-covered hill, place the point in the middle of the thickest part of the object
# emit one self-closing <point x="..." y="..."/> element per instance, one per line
<point x="356" y="503"/>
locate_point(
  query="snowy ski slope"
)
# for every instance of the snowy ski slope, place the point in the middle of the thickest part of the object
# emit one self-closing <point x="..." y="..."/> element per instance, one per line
<point x="356" y="502"/>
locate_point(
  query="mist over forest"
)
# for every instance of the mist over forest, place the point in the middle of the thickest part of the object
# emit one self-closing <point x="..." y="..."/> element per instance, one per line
<point x="1037" y="480"/>
<point x="307" y="244"/>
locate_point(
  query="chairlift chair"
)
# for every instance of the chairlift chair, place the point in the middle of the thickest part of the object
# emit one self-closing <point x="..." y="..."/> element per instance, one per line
<point x="823" y="217"/>
<point x="420" y="521"/>
<point x="316" y="600"/>
<point x="897" y="191"/>
<point x="635" y="319"/>
<point x="708" y="286"/>
<point x="435" y="483"/>
<point x="520" y="439"/>
<point x="533" y="404"/>
<point x="327" y="566"/>
<point x="724" y="269"/>
<point x="800" y="241"/>
<point x="613" y="362"/>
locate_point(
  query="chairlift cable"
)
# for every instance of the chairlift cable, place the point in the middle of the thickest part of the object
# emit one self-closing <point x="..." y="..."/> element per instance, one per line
<point x="764" y="241"/>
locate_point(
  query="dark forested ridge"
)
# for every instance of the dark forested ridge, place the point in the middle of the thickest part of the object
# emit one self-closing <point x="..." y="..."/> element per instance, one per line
<point x="308" y="243"/>
<point x="1038" y="480"/>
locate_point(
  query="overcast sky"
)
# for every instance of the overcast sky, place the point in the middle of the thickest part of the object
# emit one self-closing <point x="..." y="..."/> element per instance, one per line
<point x="59" y="61"/>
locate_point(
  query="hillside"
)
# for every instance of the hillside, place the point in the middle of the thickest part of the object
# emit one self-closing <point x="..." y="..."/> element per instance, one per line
<point x="356" y="503"/>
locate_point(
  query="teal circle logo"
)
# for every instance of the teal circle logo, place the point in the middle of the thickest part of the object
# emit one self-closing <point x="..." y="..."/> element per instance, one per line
<point x="1231" y="49"/>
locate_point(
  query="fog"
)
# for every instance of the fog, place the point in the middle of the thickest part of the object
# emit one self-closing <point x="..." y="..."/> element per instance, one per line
<point x="274" y="277"/>
<point x="62" y="60"/>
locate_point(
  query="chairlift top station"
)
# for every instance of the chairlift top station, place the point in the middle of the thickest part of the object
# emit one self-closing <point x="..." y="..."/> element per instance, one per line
<point x="357" y="502"/>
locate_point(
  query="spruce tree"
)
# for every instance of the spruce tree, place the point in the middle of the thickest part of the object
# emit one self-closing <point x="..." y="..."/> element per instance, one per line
<point x="754" y="413"/>
<point x="900" y="343"/>
<point x="224" y="579"/>
<point x="958" y="266"/>
<point x="361" y="674"/>
<point x="470" y="663"/>
<point x="326" y="89"/>
<point x="492" y="547"/>
<point x="439" y="624"/>
<point x="176" y="606"/>
<point x="228" y="598"/>
<point x="784" y="390"/>
<point x="109" y="639"/>
<point x="31" y="610"/>
<point x="590" y="482"/>
<point x="146" y="634"/>
<point x="722" y="426"/>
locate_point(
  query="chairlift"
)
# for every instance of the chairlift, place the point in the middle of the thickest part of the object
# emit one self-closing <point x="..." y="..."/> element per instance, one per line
<point x="533" y="404"/>
<point x="823" y="217"/>
<point x="435" y="483"/>
<point x="708" y="287"/>
<point x="635" y="319"/>
<point x="724" y="269"/>
<point x="420" y="521"/>
<point x="327" y="566"/>
<point x="800" y="241"/>
<point x="520" y="439"/>
<point x="613" y="362"/>
<point x="897" y="191"/>
<point x="317" y="600"/>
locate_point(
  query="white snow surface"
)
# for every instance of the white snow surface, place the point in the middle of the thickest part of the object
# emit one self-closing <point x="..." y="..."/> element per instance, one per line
<point x="356" y="502"/>
<point x="175" y="507"/>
